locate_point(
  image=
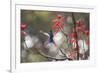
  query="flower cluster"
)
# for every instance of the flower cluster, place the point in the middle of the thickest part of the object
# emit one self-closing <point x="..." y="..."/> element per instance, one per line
<point x="80" y="26"/>
<point x="58" y="23"/>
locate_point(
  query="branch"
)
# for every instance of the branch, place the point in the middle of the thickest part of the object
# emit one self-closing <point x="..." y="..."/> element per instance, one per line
<point x="77" y="48"/>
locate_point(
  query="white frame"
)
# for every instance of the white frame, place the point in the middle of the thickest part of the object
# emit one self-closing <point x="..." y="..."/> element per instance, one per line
<point x="16" y="66"/>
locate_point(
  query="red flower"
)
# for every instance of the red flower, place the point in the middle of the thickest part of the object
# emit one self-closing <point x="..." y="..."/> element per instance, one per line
<point x="55" y="20"/>
<point x="58" y="24"/>
<point x="79" y="22"/>
<point x="23" y="26"/>
<point x="55" y="26"/>
<point x="74" y="35"/>
<point x="87" y="32"/>
<point x="59" y="16"/>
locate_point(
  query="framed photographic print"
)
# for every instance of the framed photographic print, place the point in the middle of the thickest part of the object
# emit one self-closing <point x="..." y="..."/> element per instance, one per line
<point x="51" y="36"/>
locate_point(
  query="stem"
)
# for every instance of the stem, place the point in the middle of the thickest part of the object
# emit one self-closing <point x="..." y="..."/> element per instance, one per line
<point x="77" y="48"/>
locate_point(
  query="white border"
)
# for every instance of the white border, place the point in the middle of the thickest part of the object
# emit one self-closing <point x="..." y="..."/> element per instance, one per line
<point x="16" y="66"/>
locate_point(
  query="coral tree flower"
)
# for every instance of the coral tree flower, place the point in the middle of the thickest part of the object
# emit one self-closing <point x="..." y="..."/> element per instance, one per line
<point x="23" y="26"/>
<point x="59" y="16"/>
<point x="87" y="32"/>
<point x="79" y="22"/>
<point x="58" y="23"/>
<point x="73" y="35"/>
